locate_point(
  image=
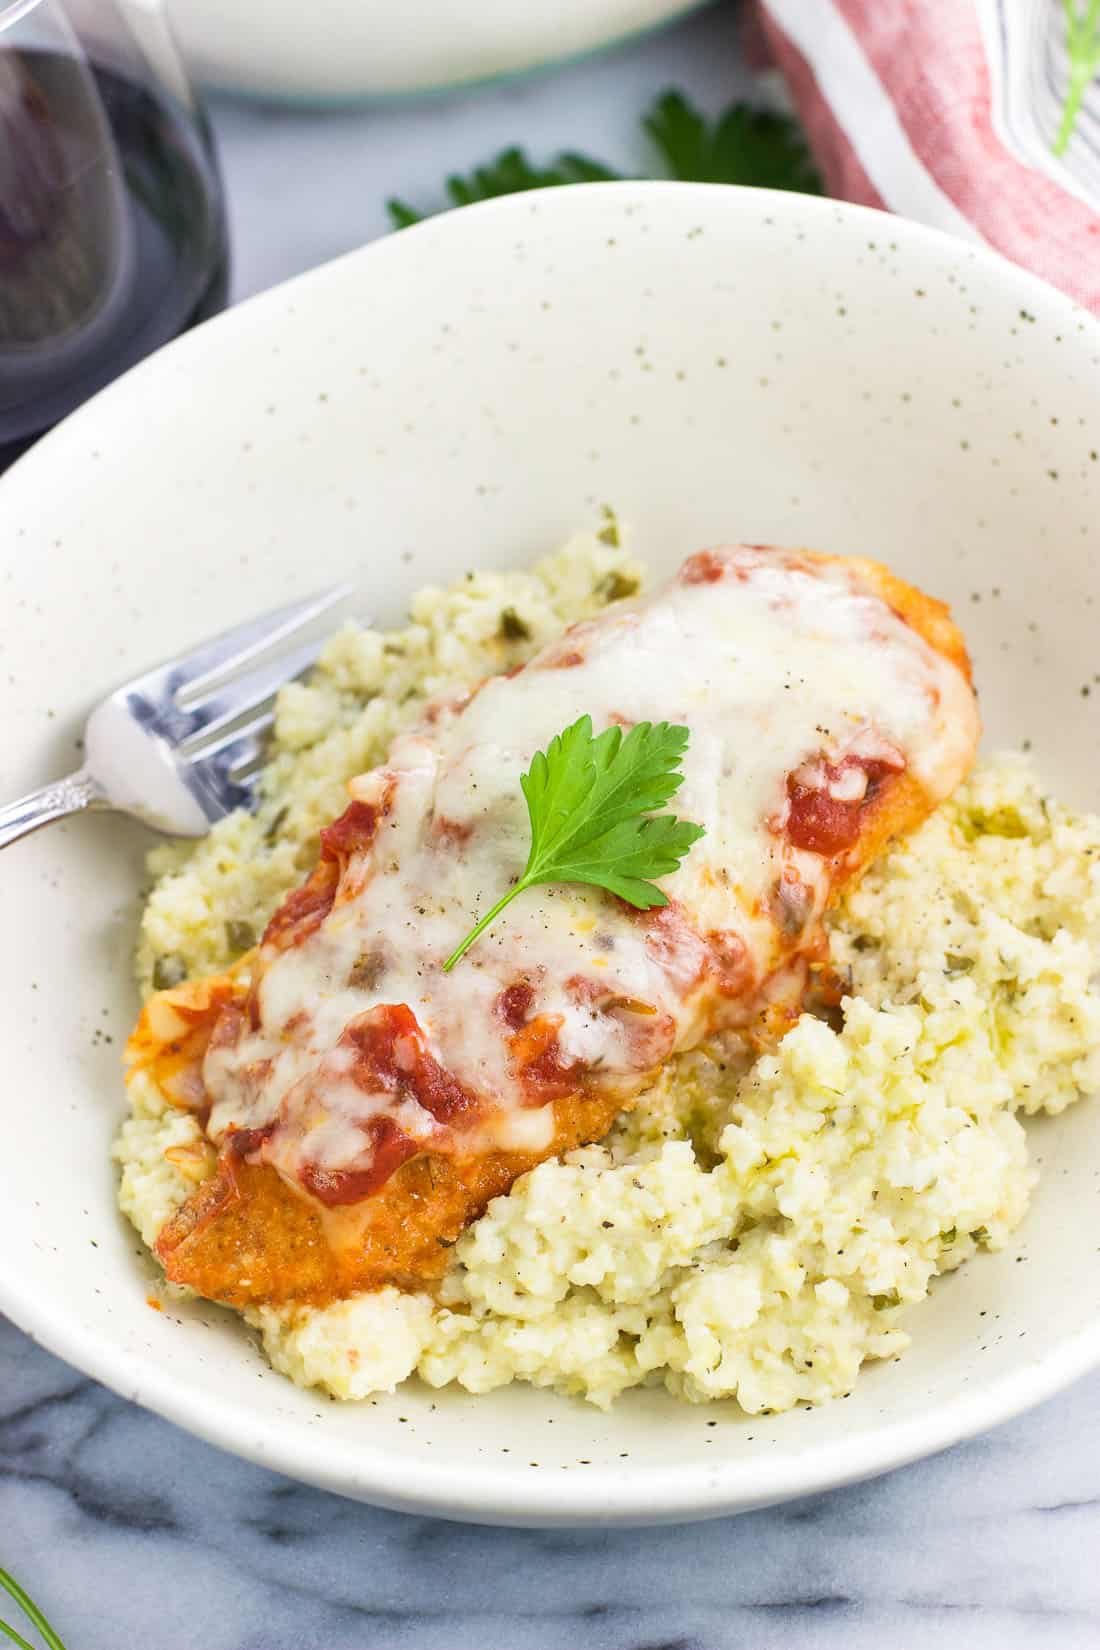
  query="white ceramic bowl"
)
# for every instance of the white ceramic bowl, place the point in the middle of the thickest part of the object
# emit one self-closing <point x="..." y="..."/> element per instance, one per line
<point x="719" y="364"/>
<point x="333" y="51"/>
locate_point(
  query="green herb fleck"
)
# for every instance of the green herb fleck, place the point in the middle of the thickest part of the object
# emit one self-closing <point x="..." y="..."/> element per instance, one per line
<point x="277" y="824"/>
<point x="240" y="936"/>
<point x="616" y="587"/>
<point x="609" y="532"/>
<point x="1004" y="822"/>
<point x="947" y="1238"/>
<point x="512" y="628"/>
<point x="883" y="1302"/>
<point x="169" y="971"/>
<point x="592" y="804"/>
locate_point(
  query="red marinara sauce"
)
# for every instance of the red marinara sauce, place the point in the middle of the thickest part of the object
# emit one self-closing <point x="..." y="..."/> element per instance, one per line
<point x="305" y="909"/>
<point x="824" y="823"/>
<point x="390" y="1057"/>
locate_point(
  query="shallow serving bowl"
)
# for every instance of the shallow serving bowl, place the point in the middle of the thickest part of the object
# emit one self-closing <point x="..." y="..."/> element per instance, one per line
<point x="718" y="364"/>
<point x="340" y="51"/>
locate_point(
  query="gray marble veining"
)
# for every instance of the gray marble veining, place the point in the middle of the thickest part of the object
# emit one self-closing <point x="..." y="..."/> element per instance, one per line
<point x="134" y="1536"/>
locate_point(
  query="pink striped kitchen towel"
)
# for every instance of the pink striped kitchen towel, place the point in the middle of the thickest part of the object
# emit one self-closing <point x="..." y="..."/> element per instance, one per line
<point x="949" y="111"/>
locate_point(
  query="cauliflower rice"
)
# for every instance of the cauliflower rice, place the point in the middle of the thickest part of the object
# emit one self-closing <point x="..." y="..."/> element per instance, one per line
<point x="754" y="1232"/>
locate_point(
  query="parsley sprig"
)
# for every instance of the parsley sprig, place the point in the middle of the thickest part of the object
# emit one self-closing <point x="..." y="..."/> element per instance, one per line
<point x="511" y="173"/>
<point x="1083" y="46"/>
<point x="592" y="804"/>
<point x="33" y="1615"/>
<point x="744" y="145"/>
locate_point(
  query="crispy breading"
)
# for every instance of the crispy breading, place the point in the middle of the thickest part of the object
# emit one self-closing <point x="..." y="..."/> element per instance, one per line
<point x="247" y="1237"/>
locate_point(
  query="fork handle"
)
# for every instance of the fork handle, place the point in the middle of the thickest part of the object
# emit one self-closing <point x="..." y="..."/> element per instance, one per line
<point x="65" y="796"/>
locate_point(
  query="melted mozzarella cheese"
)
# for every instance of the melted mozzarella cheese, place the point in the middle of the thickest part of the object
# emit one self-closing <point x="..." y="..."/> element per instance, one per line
<point x="779" y="667"/>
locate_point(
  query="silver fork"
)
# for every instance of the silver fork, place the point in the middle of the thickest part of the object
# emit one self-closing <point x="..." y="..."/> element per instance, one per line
<point x="180" y="747"/>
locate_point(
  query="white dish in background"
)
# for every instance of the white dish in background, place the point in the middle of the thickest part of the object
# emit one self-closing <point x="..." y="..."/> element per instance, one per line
<point x="718" y="364"/>
<point x="334" y="51"/>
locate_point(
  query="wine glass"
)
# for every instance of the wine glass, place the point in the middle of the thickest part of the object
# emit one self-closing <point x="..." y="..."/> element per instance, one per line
<point x="112" y="228"/>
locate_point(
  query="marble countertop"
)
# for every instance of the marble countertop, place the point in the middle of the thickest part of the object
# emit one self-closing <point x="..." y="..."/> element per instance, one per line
<point x="137" y="1537"/>
<point x="132" y="1534"/>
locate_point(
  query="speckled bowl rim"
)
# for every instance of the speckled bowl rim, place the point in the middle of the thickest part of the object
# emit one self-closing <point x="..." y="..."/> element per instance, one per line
<point x="451" y="1492"/>
<point x="671" y="1493"/>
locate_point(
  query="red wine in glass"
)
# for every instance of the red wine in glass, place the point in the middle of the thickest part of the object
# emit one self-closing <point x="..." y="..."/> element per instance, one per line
<point x="112" y="231"/>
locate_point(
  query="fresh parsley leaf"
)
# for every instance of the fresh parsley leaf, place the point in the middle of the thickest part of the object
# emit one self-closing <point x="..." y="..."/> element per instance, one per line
<point x="744" y="145"/>
<point x="1083" y="46"/>
<point x="592" y="804"/>
<point x="33" y="1615"/>
<point x="511" y="173"/>
<point x="401" y="215"/>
